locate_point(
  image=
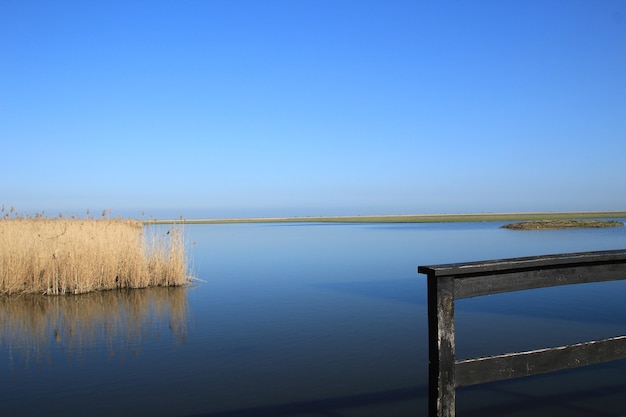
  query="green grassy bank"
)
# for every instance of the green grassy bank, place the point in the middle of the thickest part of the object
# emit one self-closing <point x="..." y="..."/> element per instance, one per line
<point x="563" y="224"/>
<point x="411" y="218"/>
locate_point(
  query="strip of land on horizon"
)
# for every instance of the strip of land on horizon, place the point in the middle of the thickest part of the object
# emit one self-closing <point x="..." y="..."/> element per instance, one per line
<point x="410" y="218"/>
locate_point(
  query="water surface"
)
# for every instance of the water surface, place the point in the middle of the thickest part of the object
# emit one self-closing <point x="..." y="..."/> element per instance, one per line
<point x="309" y="320"/>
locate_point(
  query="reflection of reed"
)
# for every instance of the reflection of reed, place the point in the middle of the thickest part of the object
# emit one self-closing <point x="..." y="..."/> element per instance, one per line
<point x="32" y="325"/>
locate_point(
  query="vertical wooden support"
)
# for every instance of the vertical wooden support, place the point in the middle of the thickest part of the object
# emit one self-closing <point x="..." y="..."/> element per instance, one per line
<point x="447" y="282"/>
<point x="441" y="350"/>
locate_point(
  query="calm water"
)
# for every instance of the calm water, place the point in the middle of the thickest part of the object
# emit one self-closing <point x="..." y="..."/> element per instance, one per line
<point x="309" y="320"/>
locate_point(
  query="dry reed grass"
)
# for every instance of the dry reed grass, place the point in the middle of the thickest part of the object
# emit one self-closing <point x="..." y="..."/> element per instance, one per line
<point x="73" y="256"/>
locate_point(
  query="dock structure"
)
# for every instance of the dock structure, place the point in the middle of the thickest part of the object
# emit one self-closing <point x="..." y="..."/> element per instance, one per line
<point x="450" y="282"/>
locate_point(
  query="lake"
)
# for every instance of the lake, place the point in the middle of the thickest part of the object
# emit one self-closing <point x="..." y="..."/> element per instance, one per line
<point x="309" y="319"/>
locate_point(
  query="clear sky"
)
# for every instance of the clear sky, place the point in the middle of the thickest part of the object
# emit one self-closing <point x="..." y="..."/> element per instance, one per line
<point x="312" y="107"/>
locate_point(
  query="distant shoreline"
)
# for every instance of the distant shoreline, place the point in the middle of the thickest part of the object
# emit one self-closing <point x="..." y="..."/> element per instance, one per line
<point x="408" y="218"/>
<point x="562" y="224"/>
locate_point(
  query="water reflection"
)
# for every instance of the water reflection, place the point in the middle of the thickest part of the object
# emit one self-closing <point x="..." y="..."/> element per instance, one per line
<point x="35" y="329"/>
<point x="303" y="320"/>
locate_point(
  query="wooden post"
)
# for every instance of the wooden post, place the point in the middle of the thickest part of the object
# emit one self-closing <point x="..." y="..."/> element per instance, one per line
<point x="441" y="350"/>
<point x="449" y="282"/>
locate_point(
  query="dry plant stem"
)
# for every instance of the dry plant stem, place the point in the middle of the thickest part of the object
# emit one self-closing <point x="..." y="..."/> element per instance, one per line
<point x="74" y="256"/>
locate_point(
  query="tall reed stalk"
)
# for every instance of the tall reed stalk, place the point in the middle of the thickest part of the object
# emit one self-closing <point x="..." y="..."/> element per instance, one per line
<point x="72" y="256"/>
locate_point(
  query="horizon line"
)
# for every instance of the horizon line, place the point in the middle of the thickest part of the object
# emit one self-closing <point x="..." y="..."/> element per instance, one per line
<point x="401" y="218"/>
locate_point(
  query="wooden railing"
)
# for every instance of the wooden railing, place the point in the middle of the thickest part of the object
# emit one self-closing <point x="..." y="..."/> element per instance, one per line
<point x="450" y="282"/>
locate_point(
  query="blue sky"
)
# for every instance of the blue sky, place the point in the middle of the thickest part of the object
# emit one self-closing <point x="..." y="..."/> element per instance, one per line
<point x="312" y="107"/>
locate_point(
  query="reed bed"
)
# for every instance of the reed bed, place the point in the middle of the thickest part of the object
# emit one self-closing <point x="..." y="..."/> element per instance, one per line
<point x="73" y="256"/>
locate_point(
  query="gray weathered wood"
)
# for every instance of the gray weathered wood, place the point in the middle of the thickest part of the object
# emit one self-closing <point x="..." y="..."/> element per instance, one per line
<point x="449" y="282"/>
<point x="441" y="368"/>
<point x="475" y="286"/>
<point x="529" y="262"/>
<point x="516" y="365"/>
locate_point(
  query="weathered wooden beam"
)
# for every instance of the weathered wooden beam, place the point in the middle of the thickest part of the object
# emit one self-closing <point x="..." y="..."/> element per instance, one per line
<point x="441" y="345"/>
<point x="448" y="282"/>
<point x="475" y="286"/>
<point x="522" y="364"/>
<point x="529" y="262"/>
